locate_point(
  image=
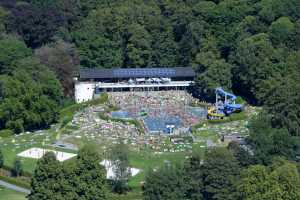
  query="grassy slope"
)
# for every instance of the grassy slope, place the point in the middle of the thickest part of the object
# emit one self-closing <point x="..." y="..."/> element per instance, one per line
<point x="10" y="150"/>
<point x="6" y="194"/>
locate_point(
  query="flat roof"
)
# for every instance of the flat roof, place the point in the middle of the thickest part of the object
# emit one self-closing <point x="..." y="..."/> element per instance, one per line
<point x="101" y="73"/>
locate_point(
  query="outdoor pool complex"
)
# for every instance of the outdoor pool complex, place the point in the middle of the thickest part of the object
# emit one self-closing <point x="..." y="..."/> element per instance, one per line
<point x="160" y="121"/>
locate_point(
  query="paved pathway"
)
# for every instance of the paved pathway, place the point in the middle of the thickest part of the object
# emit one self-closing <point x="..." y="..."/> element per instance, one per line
<point x="14" y="187"/>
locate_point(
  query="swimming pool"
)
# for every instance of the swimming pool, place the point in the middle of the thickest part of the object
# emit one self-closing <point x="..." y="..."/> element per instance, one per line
<point x="121" y="114"/>
<point x="197" y="111"/>
<point x="159" y="124"/>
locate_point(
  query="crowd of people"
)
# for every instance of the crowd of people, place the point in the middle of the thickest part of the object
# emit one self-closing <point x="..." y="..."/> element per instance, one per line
<point x="158" y="104"/>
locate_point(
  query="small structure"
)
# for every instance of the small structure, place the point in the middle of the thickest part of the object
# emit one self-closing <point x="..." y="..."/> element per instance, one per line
<point x="91" y="82"/>
<point x="37" y="153"/>
<point x="110" y="170"/>
<point x="224" y="106"/>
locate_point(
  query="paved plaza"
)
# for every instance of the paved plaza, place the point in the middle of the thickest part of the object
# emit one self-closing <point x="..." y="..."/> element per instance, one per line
<point x="38" y="153"/>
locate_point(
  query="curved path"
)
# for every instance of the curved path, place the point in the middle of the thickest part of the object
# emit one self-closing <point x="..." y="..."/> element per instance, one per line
<point x="14" y="187"/>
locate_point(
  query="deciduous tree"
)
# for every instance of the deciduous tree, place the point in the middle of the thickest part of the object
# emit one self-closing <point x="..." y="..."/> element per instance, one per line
<point x="220" y="174"/>
<point x="46" y="181"/>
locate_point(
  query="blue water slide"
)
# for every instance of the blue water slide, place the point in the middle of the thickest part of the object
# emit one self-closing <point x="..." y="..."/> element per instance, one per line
<point x="221" y="92"/>
<point x="229" y="107"/>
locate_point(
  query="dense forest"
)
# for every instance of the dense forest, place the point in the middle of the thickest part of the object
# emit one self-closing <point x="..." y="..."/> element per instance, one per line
<point x="249" y="47"/>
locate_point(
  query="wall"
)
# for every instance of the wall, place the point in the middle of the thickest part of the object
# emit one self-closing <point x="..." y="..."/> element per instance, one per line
<point x="84" y="91"/>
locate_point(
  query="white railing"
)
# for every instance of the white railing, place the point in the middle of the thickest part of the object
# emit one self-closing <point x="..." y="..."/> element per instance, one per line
<point x="145" y="85"/>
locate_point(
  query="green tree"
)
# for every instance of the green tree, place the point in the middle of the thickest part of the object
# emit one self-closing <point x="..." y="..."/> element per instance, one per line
<point x="279" y="182"/>
<point x="98" y="51"/>
<point x="1" y="159"/>
<point x="193" y="177"/>
<point x="281" y="30"/>
<point x="281" y="98"/>
<point x="166" y="49"/>
<point x="68" y="190"/>
<point x="268" y="142"/>
<point x="192" y="41"/>
<point x="273" y="9"/>
<point x="120" y="162"/>
<point x="138" y="49"/>
<point x="62" y="58"/>
<point x="253" y="180"/>
<point x="89" y="5"/>
<point x="164" y="184"/>
<point x="37" y="23"/>
<point x="3" y="19"/>
<point x="244" y="157"/>
<point x="46" y="180"/>
<point x="90" y="180"/>
<point x="249" y="26"/>
<point x="12" y="50"/>
<point x="17" y="169"/>
<point x="31" y="97"/>
<point x="220" y="174"/>
<point x="256" y="60"/>
<point x="213" y="71"/>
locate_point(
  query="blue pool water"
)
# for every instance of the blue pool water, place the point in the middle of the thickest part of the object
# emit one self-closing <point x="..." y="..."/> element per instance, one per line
<point x="159" y="124"/>
<point x="197" y="111"/>
<point x="121" y="114"/>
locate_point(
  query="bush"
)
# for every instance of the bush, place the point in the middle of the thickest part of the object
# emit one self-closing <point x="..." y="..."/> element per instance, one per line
<point x="101" y="100"/>
<point x="240" y="100"/>
<point x="65" y="121"/>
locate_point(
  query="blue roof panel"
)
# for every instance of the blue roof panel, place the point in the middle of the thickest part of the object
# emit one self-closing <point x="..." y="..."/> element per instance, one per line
<point x="101" y="73"/>
<point x="147" y="72"/>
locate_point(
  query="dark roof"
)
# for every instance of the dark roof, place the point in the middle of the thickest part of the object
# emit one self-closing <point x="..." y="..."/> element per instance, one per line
<point x="100" y="73"/>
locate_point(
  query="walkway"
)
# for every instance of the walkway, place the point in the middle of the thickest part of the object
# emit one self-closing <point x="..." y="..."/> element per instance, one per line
<point x="14" y="187"/>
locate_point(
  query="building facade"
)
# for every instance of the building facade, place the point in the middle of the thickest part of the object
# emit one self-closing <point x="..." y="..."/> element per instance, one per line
<point x="92" y="82"/>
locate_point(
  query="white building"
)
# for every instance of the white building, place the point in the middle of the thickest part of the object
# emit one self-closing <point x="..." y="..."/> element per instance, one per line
<point x="91" y="82"/>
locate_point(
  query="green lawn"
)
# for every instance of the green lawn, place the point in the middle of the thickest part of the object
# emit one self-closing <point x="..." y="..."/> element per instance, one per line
<point x="15" y="144"/>
<point x="6" y="194"/>
<point x="147" y="160"/>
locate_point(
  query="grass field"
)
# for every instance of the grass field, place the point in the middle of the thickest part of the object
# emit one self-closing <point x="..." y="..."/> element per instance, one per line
<point x="6" y="194"/>
<point x="147" y="160"/>
<point x="15" y="144"/>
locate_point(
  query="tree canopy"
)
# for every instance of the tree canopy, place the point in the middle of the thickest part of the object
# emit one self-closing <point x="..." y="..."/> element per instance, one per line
<point x="249" y="47"/>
